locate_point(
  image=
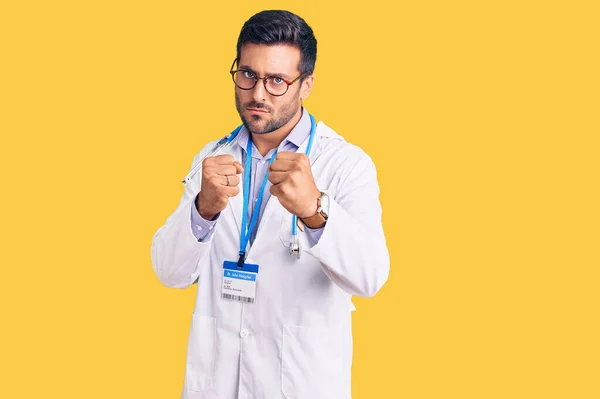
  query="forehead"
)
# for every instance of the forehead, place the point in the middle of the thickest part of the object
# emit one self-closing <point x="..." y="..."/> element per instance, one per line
<point x="262" y="58"/>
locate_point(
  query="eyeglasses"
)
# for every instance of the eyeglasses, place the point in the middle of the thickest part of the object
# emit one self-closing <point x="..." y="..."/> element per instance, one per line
<point x="274" y="85"/>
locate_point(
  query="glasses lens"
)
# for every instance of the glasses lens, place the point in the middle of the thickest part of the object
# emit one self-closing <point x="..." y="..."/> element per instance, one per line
<point x="244" y="79"/>
<point x="276" y="86"/>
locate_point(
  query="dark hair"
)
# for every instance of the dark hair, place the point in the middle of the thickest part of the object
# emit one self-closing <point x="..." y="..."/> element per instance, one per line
<point x="278" y="26"/>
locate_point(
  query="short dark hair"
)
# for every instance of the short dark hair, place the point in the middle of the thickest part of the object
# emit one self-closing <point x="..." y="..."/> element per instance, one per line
<point x="278" y="27"/>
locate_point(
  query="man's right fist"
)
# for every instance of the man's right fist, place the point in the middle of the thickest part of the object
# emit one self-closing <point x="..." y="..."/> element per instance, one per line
<point x="219" y="182"/>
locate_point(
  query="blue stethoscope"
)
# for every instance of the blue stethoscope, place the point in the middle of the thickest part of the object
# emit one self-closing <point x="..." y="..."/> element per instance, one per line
<point x="246" y="230"/>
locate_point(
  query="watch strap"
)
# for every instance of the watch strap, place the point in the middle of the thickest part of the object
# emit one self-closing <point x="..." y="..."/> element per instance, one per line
<point x="317" y="220"/>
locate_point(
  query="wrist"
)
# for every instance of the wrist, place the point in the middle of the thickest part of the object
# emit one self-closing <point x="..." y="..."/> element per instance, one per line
<point x="319" y="216"/>
<point x="312" y="207"/>
<point x="206" y="214"/>
<point x="308" y="213"/>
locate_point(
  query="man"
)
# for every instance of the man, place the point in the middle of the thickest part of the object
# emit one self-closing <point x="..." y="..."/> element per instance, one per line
<point x="273" y="309"/>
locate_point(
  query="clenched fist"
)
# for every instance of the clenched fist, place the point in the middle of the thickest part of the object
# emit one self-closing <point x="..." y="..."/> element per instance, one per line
<point x="293" y="184"/>
<point x="219" y="182"/>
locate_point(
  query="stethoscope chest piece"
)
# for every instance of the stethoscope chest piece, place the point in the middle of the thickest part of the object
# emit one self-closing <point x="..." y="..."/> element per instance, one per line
<point x="295" y="248"/>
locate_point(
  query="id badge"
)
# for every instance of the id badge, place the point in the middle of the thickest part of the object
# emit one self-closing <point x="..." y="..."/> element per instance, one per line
<point x="239" y="283"/>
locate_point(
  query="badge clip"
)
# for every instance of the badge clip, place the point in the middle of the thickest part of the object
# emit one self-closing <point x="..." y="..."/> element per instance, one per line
<point x="240" y="262"/>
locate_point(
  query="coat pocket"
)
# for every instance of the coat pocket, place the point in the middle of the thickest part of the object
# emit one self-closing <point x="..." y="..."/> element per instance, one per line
<point x="312" y="365"/>
<point x="201" y="353"/>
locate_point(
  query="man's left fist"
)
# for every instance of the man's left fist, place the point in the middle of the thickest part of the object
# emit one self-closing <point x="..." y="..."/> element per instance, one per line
<point x="293" y="184"/>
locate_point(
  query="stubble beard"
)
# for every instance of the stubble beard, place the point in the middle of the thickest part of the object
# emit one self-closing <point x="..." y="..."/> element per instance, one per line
<point x="257" y="124"/>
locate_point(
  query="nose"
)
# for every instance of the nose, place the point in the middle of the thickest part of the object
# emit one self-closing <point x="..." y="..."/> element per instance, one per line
<point x="259" y="94"/>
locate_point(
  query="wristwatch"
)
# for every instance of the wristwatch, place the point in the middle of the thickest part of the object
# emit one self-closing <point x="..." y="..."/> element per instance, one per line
<point x="319" y="219"/>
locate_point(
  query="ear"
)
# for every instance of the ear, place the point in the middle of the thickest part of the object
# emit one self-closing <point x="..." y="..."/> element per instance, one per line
<point x="306" y="87"/>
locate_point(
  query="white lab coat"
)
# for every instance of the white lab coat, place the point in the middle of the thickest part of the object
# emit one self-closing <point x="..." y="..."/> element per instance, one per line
<point x="295" y="341"/>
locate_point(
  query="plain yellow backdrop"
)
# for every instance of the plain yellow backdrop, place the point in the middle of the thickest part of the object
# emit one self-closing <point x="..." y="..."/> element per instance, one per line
<point x="483" y="121"/>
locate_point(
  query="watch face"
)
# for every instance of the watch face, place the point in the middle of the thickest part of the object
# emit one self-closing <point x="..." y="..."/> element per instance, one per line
<point x="325" y="205"/>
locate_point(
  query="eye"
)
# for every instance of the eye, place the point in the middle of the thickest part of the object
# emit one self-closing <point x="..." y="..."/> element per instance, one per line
<point x="249" y="75"/>
<point x="277" y="80"/>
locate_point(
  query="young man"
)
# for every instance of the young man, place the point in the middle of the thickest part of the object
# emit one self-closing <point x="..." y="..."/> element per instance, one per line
<point x="273" y="309"/>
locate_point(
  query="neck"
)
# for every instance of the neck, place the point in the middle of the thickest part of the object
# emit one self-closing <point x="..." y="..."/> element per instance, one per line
<point x="266" y="142"/>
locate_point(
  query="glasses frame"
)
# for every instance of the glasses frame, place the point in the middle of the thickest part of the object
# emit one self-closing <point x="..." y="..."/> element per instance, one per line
<point x="264" y="80"/>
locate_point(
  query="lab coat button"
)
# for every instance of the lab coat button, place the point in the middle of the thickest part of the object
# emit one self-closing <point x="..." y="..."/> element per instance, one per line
<point x="244" y="333"/>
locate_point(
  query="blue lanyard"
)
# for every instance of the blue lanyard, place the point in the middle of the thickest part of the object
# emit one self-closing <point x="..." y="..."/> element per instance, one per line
<point x="246" y="230"/>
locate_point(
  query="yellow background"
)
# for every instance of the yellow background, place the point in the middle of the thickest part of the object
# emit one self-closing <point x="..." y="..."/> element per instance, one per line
<point x="483" y="121"/>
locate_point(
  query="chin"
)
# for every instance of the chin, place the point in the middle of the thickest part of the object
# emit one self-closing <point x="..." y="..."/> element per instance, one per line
<point x="257" y="124"/>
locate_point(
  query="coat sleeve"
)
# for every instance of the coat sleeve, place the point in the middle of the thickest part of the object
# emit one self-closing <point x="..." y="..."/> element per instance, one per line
<point x="352" y="248"/>
<point x="177" y="256"/>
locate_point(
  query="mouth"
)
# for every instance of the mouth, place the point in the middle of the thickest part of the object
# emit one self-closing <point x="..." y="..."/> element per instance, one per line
<point x="257" y="110"/>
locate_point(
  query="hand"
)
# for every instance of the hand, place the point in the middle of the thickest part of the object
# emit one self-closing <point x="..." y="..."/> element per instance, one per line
<point x="293" y="184"/>
<point x="215" y="191"/>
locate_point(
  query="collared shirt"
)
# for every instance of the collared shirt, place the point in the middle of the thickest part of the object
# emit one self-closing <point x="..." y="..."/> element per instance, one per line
<point x="203" y="229"/>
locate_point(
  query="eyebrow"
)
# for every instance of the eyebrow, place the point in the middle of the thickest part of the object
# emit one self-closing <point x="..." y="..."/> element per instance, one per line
<point x="277" y="75"/>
